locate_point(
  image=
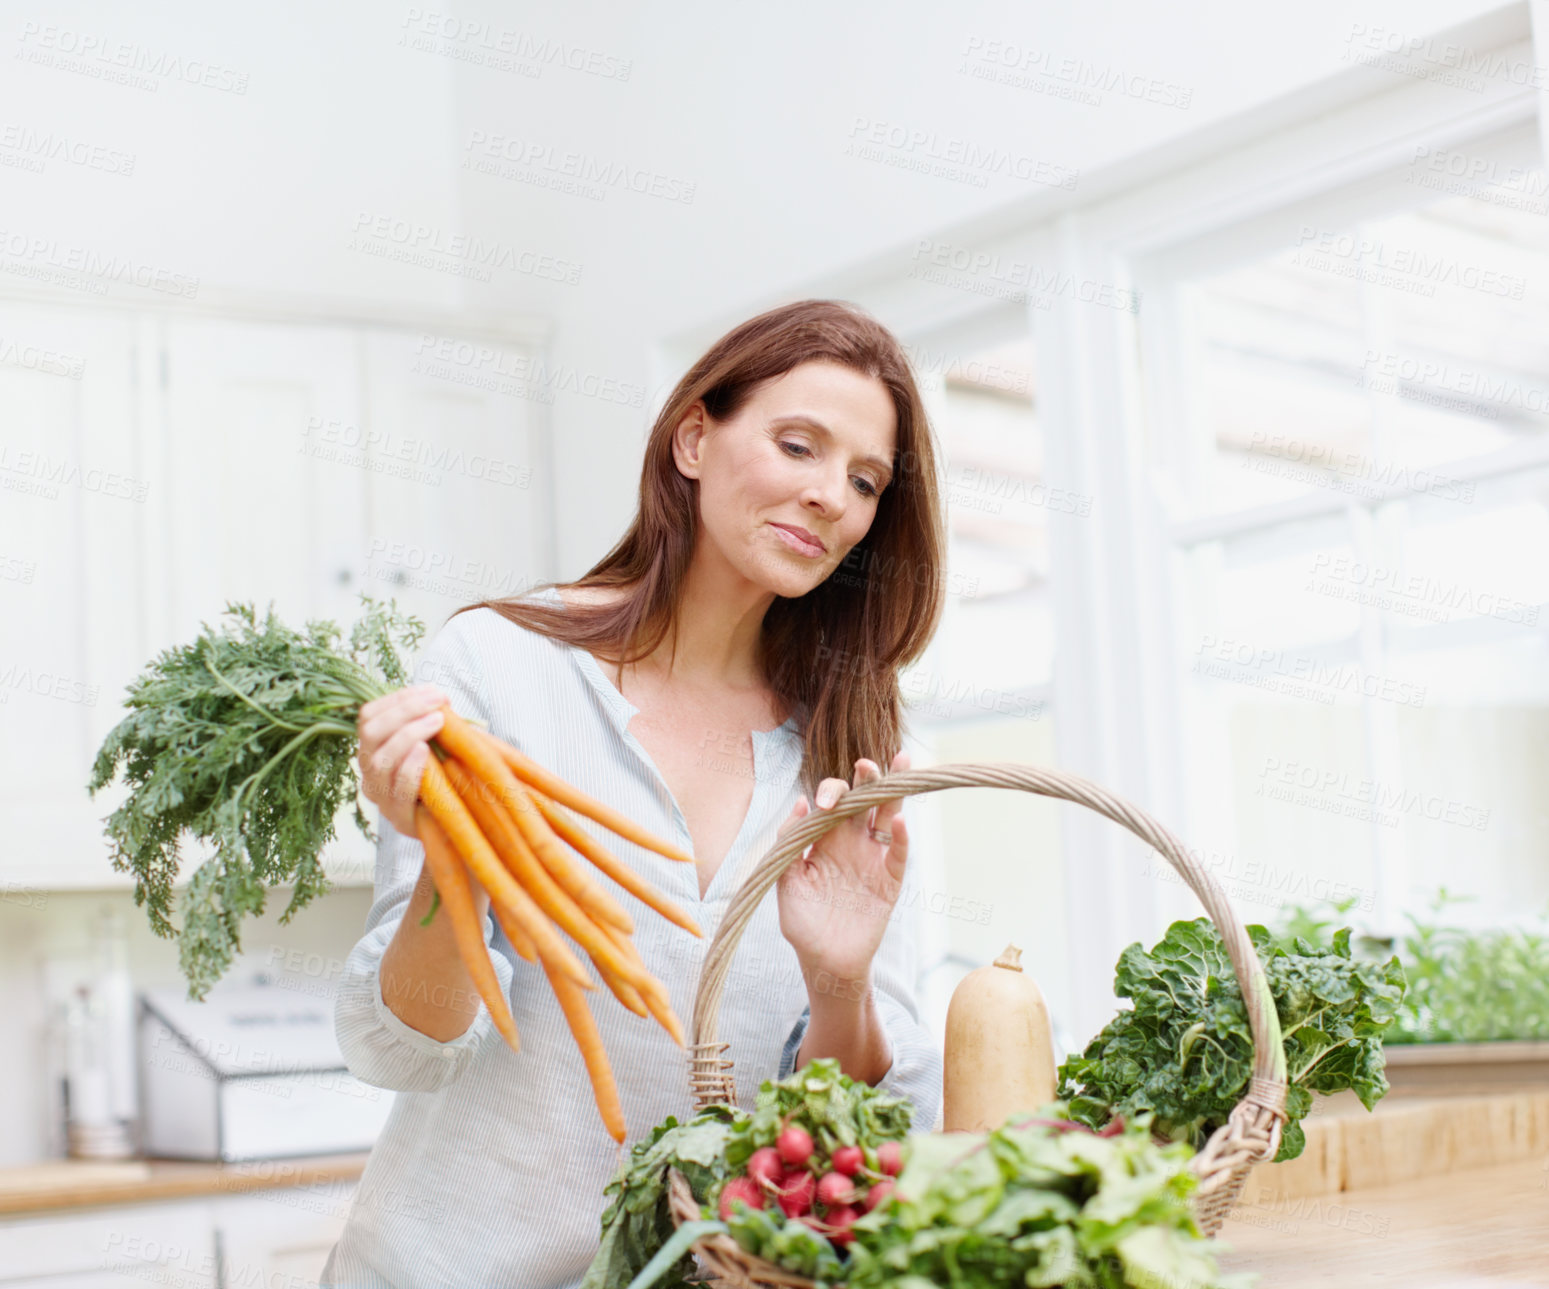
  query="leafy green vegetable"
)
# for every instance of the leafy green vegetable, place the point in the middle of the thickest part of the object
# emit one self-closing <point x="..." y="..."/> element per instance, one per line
<point x="715" y="1146"/>
<point x="1184" y="1051"/>
<point x="637" y="1224"/>
<point x="1042" y="1201"/>
<point x="246" y="739"/>
<point x="1465" y="985"/>
<point x="1039" y="1202"/>
<point x="1472" y="986"/>
<point x="836" y="1109"/>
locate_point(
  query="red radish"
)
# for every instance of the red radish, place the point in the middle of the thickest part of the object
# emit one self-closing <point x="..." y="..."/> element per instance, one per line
<point x="848" y="1160"/>
<point x="743" y="1188"/>
<point x="877" y="1195"/>
<point x="797" y="1191"/>
<point x="764" y="1167"/>
<point x="1113" y="1128"/>
<point x="839" y="1221"/>
<point x="890" y="1158"/>
<point x="835" y="1189"/>
<point x="795" y="1146"/>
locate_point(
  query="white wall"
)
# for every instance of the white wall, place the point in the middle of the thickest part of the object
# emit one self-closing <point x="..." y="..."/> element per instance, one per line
<point x="758" y="112"/>
<point x="341" y="116"/>
<point x="254" y="187"/>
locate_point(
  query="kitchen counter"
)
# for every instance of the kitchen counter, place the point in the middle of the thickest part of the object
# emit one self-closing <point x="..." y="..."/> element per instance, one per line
<point x="1477" y="1228"/>
<point x="78" y="1183"/>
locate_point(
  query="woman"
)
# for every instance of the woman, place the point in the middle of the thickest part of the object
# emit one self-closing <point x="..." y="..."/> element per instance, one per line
<point x="786" y="560"/>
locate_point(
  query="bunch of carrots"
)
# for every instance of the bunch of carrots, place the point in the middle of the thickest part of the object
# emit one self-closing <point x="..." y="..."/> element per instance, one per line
<point x="489" y="814"/>
<point x="246" y="738"/>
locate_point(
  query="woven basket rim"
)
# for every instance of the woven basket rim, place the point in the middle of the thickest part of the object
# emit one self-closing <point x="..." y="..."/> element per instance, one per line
<point x="1253" y="1129"/>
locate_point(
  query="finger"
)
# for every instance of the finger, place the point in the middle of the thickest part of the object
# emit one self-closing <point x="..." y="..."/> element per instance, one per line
<point x="386" y="764"/>
<point x="865" y="771"/>
<point x="888" y="810"/>
<point x="798" y="812"/>
<point x="829" y="792"/>
<point x="898" y="853"/>
<point x="406" y="784"/>
<point x="387" y="713"/>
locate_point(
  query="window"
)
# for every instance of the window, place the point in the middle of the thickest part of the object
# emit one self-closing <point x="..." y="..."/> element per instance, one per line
<point x="983" y="691"/>
<point x="1361" y="524"/>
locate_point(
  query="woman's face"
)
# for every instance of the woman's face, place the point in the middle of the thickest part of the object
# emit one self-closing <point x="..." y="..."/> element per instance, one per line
<point x="810" y="450"/>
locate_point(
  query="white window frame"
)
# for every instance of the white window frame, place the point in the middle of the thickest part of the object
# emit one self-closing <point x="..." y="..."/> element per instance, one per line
<point x="1116" y="687"/>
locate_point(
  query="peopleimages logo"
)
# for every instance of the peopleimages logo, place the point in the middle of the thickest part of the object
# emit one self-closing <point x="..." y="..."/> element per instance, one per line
<point x="37" y="256"/>
<point x="103" y="57"/>
<point x="926" y="150"/>
<point x="1413" y="268"/>
<point x="414" y="242"/>
<point x="1300" y="675"/>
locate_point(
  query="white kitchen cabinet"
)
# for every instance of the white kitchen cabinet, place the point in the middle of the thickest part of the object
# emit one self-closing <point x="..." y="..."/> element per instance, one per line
<point x="256" y="515"/>
<point x="154" y="467"/>
<point x="157" y="1243"/>
<point x="279" y="1236"/>
<point x="458" y="510"/>
<point x="74" y="495"/>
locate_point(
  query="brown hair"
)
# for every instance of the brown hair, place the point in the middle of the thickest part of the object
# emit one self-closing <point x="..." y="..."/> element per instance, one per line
<point x="831" y="656"/>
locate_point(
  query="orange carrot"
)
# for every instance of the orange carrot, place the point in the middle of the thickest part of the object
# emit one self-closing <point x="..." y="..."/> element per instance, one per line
<point x="528" y="769"/>
<point x="451" y="880"/>
<point x="620" y="872"/>
<point x="512" y="849"/>
<point x="520" y="940"/>
<point x="584" y="1028"/>
<point x="564" y="870"/>
<point x="652" y="993"/>
<point x="453" y="815"/>
<point x="465" y="743"/>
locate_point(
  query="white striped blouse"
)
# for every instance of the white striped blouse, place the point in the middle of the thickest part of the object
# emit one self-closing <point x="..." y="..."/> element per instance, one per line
<point x="491" y="1168"/>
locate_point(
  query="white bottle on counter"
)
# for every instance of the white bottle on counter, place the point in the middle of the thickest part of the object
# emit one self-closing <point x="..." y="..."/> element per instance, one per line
<point x="92" y="1132"/>
<point x="115" y="989"/>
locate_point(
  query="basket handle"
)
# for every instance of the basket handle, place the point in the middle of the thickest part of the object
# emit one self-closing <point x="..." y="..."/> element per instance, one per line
<point x="710" y="1073"/>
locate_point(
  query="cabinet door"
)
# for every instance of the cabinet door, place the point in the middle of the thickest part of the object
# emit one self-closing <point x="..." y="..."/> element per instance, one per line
<point x="268" y="497"/>
<point x="281" y="1236"/>
<point x="259" y="512"/>
<point x="157" y="1243"/>
<point x="459" y="502"/>
<point x="75" y="505"/>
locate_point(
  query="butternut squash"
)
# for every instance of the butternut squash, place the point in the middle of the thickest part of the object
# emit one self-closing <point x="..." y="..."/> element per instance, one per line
<point x="999" y="1052"/>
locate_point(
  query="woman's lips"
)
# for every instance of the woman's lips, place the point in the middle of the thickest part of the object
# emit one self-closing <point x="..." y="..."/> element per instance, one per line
<point x="798" y="544"/>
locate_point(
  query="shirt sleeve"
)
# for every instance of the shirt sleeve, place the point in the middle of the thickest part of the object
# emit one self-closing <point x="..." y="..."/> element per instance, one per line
<point x="917" y="1069"/>
<point x="377" y="1046"/>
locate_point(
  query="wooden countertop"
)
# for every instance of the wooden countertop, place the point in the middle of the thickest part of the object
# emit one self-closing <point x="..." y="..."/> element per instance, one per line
<point x="1477" y="1228"/>
<point x="78" y="1183"/>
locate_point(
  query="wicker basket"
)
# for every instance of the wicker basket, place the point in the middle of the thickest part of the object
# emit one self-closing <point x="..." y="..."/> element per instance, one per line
<point x="1252" y="1131"/>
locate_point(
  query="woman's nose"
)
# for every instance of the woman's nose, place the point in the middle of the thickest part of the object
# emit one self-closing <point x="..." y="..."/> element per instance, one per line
<point x="827" y="495"/>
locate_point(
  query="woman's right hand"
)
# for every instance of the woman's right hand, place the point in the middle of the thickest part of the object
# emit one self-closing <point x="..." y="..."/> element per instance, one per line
<point x="393" y="732"/>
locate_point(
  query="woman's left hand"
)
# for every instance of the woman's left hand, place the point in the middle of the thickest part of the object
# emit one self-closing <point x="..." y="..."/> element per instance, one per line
<point x="835" y="903"/>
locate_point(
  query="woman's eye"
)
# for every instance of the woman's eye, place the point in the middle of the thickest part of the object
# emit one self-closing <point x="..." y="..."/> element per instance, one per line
<point x="868" y="489"/>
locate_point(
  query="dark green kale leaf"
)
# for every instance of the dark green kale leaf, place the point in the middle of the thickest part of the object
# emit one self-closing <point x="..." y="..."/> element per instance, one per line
<point x="1184" y="1051"/>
